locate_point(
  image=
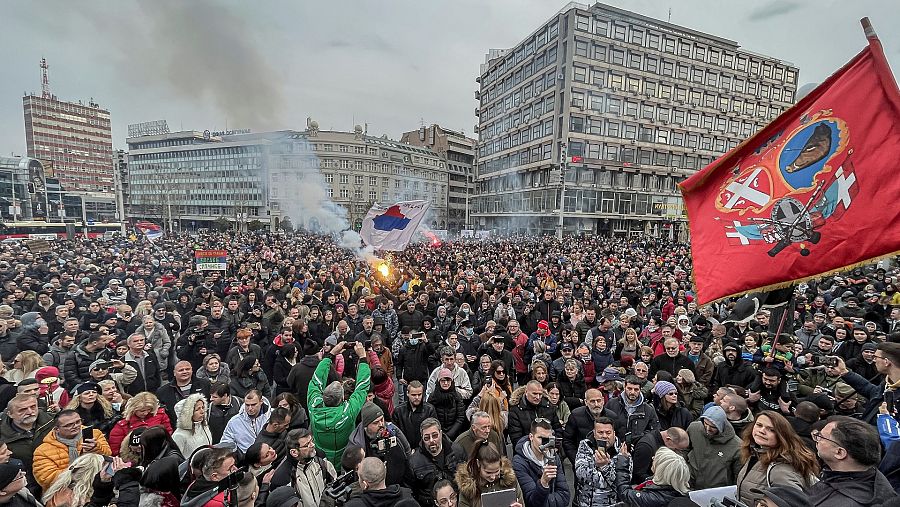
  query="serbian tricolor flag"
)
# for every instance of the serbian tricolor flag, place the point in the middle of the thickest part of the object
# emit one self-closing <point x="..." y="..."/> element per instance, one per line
<point x="815" y="192"/>
<point x="391" y="228"/>
<point x="150" y="230"/>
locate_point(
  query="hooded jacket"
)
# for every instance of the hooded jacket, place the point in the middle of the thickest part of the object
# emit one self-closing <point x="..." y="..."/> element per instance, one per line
<point x="468" y="488"/>
<point x="191" y="435"/>
<point x="522" y="414"/>
<point x="170" y="395"/>
<point x="331" y="426"/>
<point x="644" y="495"/>
<point x="739" y="373"/>
<point x="219" y="416"/>
<point x="723" y="449"/>
<point x="851" y="489"/>
<point x="528" y="473"/>
<point x="596" y="486"/>
<point x="29" y="338"/>
<point x="78" y="364"/>
<point x="242" y="430"/>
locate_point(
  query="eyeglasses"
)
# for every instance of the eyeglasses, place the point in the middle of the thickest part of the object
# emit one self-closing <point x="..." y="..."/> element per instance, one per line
<point x="446" y="502"/>
<point x="879" y="357"/>
<point x="501" y="372"/>
<point x="817" y="436"/>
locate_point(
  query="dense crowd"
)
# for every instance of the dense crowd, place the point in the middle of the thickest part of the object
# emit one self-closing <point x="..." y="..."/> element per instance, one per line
<point x="522" y="371"/>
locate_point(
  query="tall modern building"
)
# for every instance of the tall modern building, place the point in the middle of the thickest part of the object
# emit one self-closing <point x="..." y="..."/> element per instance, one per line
<point x="640" y="103"/>
<point x="192" y="179"/>
<point x="458" y="151"/>
<point x="75" y="137"/>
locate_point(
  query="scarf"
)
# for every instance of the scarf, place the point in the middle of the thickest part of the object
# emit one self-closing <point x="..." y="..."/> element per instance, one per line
<point x="71" y="444"/>
<point x="630" y="407"/>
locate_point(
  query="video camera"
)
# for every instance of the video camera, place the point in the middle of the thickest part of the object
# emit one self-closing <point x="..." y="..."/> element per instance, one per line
<point x="548" y="446"/>
<point x="383" y="444"/>
<point x="727" y="502"/>
<point x="341" y="488"/>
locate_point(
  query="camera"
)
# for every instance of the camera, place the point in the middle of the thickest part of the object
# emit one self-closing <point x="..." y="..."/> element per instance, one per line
<point x="728" y="502"/>
<point x="488" y="381"/>
<point x="341" y="488"/>
<point x="382" y="445"/>
<point x="367" y="344"/>
<point x="548" y="446"/>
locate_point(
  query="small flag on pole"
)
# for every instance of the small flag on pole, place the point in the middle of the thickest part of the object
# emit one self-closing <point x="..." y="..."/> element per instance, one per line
<point x="150" y="230"/>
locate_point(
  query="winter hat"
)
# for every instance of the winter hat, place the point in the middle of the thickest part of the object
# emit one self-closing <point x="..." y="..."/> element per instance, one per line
<point x="8" y="474"/>
<point x="696" y="339"/>
<point x="631" y="312"/>
<point x="869" y="346"/>
<point x="784" y="496"/>
<point x="731" y="345"/>
<point x="30" y="321"/>
<point x="626" y="362"/>
<point x="88" y="386"/>
<point x="6" y="311"/>
<point x="785" y="339"/>
<point x="716" y="415"/>
<point x="98" y="364"/>
<point x="687" y="375"/>
<point x="135" y="440"/>
<point x="283" y="496"/>
<point x="663" y="388"/>
<point x="369" y="413"/>
<point x="45" y="373"/>
<point x="445" y="373"/>
<point x="611" y="373"/>
<point x="543" y="325"/>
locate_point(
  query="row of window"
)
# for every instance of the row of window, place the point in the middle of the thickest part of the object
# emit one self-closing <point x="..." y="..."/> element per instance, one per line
<point x="682" y="46"/>
<point x="583" y="201"/>
<point x="344" y="179"/>
<point x="581" y="176"/>
<point x="516" y="56"/>
<point x="345" y="193"/>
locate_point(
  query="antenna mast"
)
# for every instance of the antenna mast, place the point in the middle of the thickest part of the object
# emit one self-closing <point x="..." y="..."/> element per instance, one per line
<point x="45" y="81"/>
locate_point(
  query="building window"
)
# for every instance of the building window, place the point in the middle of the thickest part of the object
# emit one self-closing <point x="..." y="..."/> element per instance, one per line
<point x="358" y="179"/>
<point x="345" y="194"/>
<point x="579" y="74"/>
<point x="617" y="56"/>
<point x="345" y="179"/>
<point x="581" y="48"/>
<point x="372" y="195"/>
<point x="582" y="23"/>
<point x="619" y="32"/>
<point x="329" y="178"/>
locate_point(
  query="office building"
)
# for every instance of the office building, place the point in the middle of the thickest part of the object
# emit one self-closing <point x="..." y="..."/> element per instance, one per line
<point x="641" y="103"/>
<point x="188" y="180"/>
<point x="458" y="152"/>
<point x="75" y="137"/>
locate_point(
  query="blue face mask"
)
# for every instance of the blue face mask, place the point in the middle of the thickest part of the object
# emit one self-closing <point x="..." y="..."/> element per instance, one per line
<point x="413" y="341"/>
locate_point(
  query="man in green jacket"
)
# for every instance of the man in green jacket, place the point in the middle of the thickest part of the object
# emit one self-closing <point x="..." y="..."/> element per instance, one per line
<point x="332" y="419"/>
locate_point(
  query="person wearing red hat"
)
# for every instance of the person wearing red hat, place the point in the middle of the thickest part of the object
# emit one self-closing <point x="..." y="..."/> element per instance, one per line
<point x="542" y="334"/>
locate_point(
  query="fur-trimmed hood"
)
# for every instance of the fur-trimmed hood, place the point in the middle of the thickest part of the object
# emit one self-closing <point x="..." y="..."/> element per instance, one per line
<point x="516" y="396"/>
<point x="185" y="411"/>
<point x="466" y="482"/>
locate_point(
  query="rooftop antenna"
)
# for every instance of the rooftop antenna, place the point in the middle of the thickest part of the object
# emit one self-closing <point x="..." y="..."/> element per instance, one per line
<point x="421" y="122"/>
<point x="45" y="80"/>
<point x="670" y="14"/>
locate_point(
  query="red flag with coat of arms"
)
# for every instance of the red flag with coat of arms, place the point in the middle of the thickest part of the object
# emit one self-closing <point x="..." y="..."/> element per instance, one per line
<point x="814" y="192"/>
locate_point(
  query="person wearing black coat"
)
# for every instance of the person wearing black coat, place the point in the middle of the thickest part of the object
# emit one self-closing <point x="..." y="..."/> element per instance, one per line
<point x="409" y="416"/>
<point x="649" y="494"/>
<point x="33" y="335"/>
<point x="733" y="371"/>
<point x="78" y="363"/>
<point x="8" y="345"/>
<point x="448" y="406"/>
<point x="183" y="384"/>
<point x="222" y="407"/>
<point x="436" y="460"/>
<point x="195" y="343"/>
<point x="146" y="364"/>
<point x="412" y="362"/>
<point x="581" y="422"/>
<point x="532" y="405"/>
<point x="301" y="374"/>
<point x="572" y="390"/>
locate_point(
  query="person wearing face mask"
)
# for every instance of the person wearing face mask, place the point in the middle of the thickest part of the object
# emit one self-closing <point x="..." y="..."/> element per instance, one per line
<point x="713" y="440"/>
<point x="412" y="361"/>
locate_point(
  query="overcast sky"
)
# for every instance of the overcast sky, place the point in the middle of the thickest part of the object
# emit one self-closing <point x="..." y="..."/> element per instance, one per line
<point x="392" y="63"/>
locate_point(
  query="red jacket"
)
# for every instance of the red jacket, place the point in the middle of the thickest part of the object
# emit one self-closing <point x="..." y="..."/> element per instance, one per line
<point x="518" y="352"/>
<point x="123" y="427"/>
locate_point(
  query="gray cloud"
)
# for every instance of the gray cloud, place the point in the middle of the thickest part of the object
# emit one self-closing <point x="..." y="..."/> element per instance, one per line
<point x="773" y="9"/>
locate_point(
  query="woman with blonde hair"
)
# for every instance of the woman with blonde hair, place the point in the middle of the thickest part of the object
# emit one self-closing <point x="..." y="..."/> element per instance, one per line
<point x="25" y="365"/>
<point x="142" y="410"/>
<point x="75" y="485"/>
<point x="628" y="345"/>
<point x="671" y="479"/>
<point x="143" y="309"/>
<point x="193" y="424"/>
<point x="487" y="401"/>
<point x="95" y="410"/>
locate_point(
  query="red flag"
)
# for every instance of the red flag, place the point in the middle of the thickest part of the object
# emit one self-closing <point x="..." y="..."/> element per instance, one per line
<point x="814" y="192"/>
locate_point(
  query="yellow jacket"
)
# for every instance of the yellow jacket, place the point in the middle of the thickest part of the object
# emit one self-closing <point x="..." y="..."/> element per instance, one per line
<point x="51" y="458"/>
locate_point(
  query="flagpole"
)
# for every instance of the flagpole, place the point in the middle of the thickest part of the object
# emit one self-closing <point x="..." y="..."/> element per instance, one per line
<point x="881" y="64"/>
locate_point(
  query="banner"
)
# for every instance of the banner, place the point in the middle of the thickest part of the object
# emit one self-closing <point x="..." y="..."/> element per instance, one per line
<point x="814" y="192"/>
<point x="211" y="260"/>
<point x="392" y="228"/>
<point x="150" y="230"/>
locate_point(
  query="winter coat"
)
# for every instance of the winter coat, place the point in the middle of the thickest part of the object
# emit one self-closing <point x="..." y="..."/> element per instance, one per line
<point x="31" y="339"/>
<point x="397" y="455"/>
<point x="169" y="395"/>
<point x="572" y="391"/>
<point x="468" y="490"/>
<point x="580" y="426"/>
<point x="412" y="362"/>
<point x="78" y="364"/>
<point x="677" y="416"/>
<point x="149" y="380"/>
<point x="723" y="449"/>
<point x="427" y="471"/>
<point x="596" y="487"/>
<point x="96" y="417"/>
<point x="644" y="495"/>
<point x="240" y="386"/>
<point x="131" y="421"/>
<point x="467" y="441"/>
<point x="754" y="475"/>
<point x="670" y="364"/>
<point x="310" y="479"/>
<point x="57" y="357"/>
<point x="693" y="397"/>
<point x="301" y="376"/>
<point x="450" y="410"/>
<point x="741" y="373"/>
<point x="22" y="445"/>
<point x="159" y="340"/>
<point x="219" y="417"/>
<point x="851" y="489"/>
<point x="409" y="420"/>
<point x="522" y="414"/>
<point x="332" y="426"/>
<point x="190" y="435"/>
<point x="281" y="368"/>
<point x="236" y="355"/>
<point x="387" y="497"/>
<point x="242" y="430"/>
<point x="631" y="427"/>
<point x="223" y="376"/>
<point x="51" y="457"/>
<point x="528" y="473"/>
<point x="162" y="474"/>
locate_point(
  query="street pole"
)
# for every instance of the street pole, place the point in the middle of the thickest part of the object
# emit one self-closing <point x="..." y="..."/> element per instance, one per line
<point x="563" y="163"/>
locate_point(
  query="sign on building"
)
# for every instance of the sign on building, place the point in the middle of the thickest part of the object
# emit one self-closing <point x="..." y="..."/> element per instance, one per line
<point x="211" y="260"/>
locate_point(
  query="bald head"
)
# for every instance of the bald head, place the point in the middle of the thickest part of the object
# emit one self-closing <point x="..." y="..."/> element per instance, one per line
<point x="371" y="474"/>
<point x="183" y="372"/>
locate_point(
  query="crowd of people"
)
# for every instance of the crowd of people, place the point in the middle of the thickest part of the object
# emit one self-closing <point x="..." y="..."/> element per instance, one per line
<point x="521" y="371"/>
